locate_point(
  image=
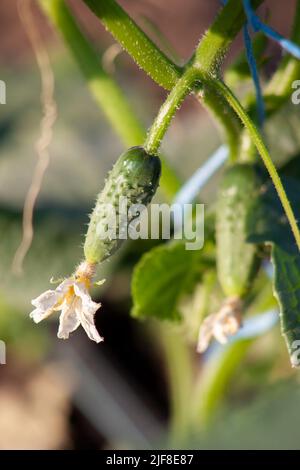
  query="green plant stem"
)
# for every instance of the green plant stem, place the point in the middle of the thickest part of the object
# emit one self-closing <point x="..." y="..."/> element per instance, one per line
<point x="225" y="117"/>
<point x="139" y="46"/>
<point x="213" y="46"/>
<point x="221" y="88"/>
<point x="160" y="125"/>
<point x="209" y="54"/>
<point x="105" y="90"/>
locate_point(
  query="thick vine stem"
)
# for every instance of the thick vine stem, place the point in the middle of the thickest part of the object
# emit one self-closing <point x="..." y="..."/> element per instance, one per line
<point x="208" y="55"/>
<point x="183" y="87"/>
<point x="230" y="125"/>
<point x="212" y="48"/>
<point x="139" y="46"/>
<point x="167" y="111"/>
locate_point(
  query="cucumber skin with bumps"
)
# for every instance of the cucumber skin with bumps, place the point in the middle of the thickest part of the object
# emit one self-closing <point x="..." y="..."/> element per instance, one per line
<point x="134" y="176"/>
<point x="237" y="260"/>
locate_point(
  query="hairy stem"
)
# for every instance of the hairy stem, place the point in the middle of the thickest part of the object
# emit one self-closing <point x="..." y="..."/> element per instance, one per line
<point x="138" y="45"/>
<point x="225" y="117"/>
<point x="213" y="46"/>
<point x="158" y="129"/>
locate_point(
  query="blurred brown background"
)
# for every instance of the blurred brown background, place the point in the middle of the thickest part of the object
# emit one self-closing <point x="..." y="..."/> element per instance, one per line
<point x="75" y="394"/>
<point x="183" y="23"/>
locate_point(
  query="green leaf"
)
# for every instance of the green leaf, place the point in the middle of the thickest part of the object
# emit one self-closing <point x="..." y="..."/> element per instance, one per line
<point x="287" y="292"/>
<point x="163" y="275"/>
<point x="269" y="225"/>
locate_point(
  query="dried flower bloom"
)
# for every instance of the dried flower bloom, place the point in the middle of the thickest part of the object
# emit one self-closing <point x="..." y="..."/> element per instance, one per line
<point x="221" y="325"/>
<point x="73" y="299"/>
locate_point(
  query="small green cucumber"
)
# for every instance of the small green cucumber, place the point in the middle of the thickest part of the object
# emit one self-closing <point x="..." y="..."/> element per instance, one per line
<point x="237" y="260"/>
<point x="135" y="176"/>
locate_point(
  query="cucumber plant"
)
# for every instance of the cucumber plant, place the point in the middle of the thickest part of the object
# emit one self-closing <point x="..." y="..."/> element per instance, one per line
<point x="234" y="255"/>
<point x="237" y="260"/>
<point x="239" y="193"/>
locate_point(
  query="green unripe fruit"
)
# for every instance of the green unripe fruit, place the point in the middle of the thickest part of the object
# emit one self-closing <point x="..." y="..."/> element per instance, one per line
<point x="135" y="176"/>
<point x="237" y="260"/>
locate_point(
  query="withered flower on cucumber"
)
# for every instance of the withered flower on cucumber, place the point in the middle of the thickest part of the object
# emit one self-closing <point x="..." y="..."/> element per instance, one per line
<point x="134" y="176"/>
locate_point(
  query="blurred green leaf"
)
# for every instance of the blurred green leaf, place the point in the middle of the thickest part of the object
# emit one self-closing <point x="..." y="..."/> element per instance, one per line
<point x="239" y="70"/>
<point x="268" y="222"/>
<point x="292" y="167"/>
<point x="267" y="420"/>
<point x="287" y="291"/>
<point x="282" y="132"/>
<point x="163" y="275"/>
<point x="269" y="225"/>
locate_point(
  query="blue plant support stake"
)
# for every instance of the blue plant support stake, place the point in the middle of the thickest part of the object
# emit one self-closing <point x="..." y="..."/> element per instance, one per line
<point x="255" y="77"/>
<point x="258" y="25"/>
<point x="253" y="70"/>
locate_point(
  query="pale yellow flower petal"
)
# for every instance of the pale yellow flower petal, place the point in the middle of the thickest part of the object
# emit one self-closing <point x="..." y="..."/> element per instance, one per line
<point x="46" y="302"/>
<point x="68" y="320"/>
<point x="73" y="299"/>
<point x="205" y="333"/>
<point x="86" y="310"/>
